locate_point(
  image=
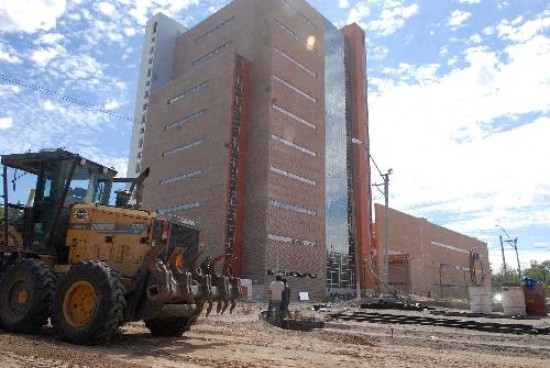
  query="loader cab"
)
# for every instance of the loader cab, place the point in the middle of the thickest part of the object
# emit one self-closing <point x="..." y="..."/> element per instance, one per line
<point x="62" y="179"/>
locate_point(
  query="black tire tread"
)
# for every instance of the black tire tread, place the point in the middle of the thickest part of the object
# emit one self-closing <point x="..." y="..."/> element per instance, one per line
<point x="106" y="322"/>
<point x="44" y="285"/>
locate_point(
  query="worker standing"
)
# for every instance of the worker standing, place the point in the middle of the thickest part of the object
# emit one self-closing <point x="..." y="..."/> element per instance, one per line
<point x="285" y="300"/>
<point x="275" y="300"/>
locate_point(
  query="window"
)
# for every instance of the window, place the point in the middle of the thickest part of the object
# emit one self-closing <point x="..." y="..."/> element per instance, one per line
<point x="185" y="119"/>
<point x="295" y="62"/>
<point x="182" y="148"/>
<point x="287" y="239"/>
<point x="179" y="207"/>
<point x="214" y="29"/>
<point x="294" y="88"/>
<point x="293" y="145"/>
<point x="187" y="92"/>
<point x="291" y="207"/>
<point x="309" y="45"/>
<point x="208" y="56"/>
<point x="302" y="15"/>
<point x="293" y="176"/>
<point x="174" y="179"/>
<point x="294" y="116"/>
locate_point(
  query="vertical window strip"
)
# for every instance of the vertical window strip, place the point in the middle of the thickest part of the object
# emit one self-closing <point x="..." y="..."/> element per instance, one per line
<point x="189" y="91"/>
<point x="287" y="239"/>
<point x="179" y="207"/>
<point x="210" y="55"/>
<point x="291" y="207"/>
<point x="185" y="119"/>
<point x="293" y="145"/>
<point x="182" y="148"/>
<point x="302" y="15"/>
<point x="214" y="29"/>
<point x="295" y="35"/>
<point x="293" y="176"/>
<point x="294" y="116"/>
<point x="295" y="62"/>
<point x="174" y="179"/>
<point x="294" y="88"/>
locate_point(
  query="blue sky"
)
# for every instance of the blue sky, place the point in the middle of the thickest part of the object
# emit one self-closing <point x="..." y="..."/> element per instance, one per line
<point x="459" y="98"/>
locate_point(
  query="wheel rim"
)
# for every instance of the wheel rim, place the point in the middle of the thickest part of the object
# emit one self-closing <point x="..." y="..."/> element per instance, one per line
<point x="79" y="304"/>
<point x="19" y="297"/>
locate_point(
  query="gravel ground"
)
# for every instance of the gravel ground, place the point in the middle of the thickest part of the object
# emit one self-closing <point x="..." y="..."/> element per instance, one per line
<point x="244" y="340"/>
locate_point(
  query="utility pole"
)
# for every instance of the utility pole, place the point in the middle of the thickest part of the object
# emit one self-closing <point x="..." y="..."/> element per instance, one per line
<point x="386" y="177"/>
<point x="503" y="258"/>
<point x="514" y="244"/>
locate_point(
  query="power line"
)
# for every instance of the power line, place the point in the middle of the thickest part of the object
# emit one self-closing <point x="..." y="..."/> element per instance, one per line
<point x="62" y="97"/>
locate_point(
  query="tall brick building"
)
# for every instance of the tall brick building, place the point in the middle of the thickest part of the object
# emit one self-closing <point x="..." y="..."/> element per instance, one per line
<point x="261" y="135"/>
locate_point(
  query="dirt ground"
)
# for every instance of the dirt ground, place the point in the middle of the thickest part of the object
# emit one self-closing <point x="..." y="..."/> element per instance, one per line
<point x="244" y="340"/>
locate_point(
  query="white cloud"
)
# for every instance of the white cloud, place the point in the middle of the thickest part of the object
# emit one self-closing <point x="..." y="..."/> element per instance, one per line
<point x="48" y="105"/>
<point x="343" y="4"/>
<point x="44" y="55"/>
<point x="106" y="8"/>
<point x="476" y="38"/>
<point x="30" y="15"/>
<point x="470" y="142"/>
<point x="457" y="18"/>
<point x="522" y="32"/>
<point x="141" y="10"/>
<point x="111" y="105"/>
<point x="7" y="53"/>
<point x="129" y="32"/>
<point x="79" y="66"/>
<point x="393" y="17"/>
<point x="469" y="1"/>
<point x="6" y="123"/>
<point x="358" y="13"/>
<point x="378" y="52"/>
<point x="50" y="38"/>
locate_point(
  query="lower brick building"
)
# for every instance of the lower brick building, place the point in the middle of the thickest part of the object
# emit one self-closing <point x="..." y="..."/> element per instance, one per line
<point x="428" y="259"/>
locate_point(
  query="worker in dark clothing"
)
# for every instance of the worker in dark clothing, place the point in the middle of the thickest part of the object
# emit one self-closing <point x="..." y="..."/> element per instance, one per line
<point x="275" y="300"/>
<point x="285" y="300"/>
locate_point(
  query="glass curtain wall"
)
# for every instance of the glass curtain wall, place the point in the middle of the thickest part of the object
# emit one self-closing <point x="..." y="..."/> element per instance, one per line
<point x="340" y="267"/>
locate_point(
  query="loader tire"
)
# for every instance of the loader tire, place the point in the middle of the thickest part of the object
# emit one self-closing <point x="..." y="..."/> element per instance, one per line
<point x="89" y="304"/>
<point x="26" y="294"/>
<point x="170" y="327"/>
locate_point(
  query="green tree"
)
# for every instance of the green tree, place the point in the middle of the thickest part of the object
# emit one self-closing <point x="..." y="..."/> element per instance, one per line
<point x="510" y="278"/>
<point x="539" y="271"/>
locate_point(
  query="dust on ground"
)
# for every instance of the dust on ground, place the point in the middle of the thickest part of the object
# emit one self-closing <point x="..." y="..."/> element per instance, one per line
<point x="244" y="340"/>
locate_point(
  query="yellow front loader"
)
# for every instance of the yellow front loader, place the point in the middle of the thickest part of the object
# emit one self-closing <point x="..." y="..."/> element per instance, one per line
<point x="90" y="261"/>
